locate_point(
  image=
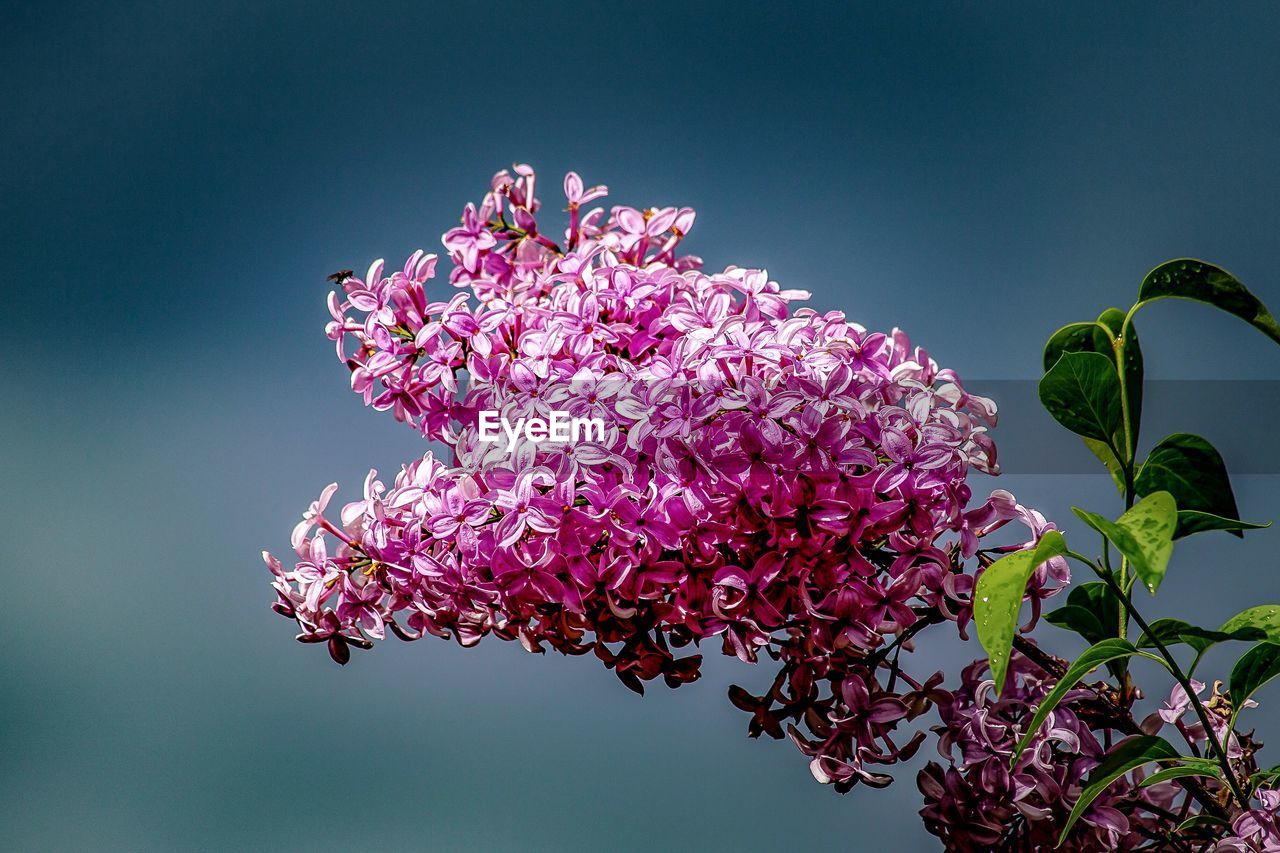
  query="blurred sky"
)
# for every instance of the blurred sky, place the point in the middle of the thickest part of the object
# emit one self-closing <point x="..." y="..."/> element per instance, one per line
<point x="178" y="179"/>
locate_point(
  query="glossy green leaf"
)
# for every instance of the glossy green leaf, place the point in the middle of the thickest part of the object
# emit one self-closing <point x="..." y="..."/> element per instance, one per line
<point x="1152" y="522"/>
<point x="1191" y="521"/>
<point x="1255" y="668"/>
<point x="1098" y="597"/>
<point x="1188" y="278"/>
<point x="1172" y="631"/>
<point x="1265" y="776"/>
<point x="1081" y="620"/>
<point x="1144" y="534"/>
<point x="1264" y="617"/>
<point x="1098" y="337"/>
<point x="1113" y="319"/>
<point x="1181" y="771"/>
<point x="1102" y="451"/>
<point x="1092" y="658"/>
<point x="1189" y="468"/>
<point x="1199" y="820"/>
<point x="1115" y="534"/>
<point x="1082" y="392"/>
<point x="1073" y="337"/>
<point x="1209" y="765"/>
<point x="1129" y="754"/>
<point x="1097" y="600"/>
<point x="997" y="598"/>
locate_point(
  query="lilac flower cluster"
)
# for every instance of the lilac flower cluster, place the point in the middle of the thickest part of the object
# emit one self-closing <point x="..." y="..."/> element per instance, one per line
<point x="977" y="803"/>
<point x="1256" y="830"/>
<point x="779" y="480"/>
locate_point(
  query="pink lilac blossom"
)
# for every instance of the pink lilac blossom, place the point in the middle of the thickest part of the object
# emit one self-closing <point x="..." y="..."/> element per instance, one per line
<point x="976" y="803"/>
<point x="1257" y="829"/>
<point x="778" y="480"/>
<point x="1178" y="705"/>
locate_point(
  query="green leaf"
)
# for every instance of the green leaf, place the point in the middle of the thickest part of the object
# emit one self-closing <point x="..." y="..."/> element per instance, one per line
<point x="1199" y="820"/>
<point x="1182" y="771"/>
<point x="1144" y="534"/>
<point x="1151" y="522"/>
<point x="1188" y="278"/>
<point x="1113" y="319"/>
<point x="1189" y="468"/>
<point x="1092" y="658"/>
<point x="1255" y="668"/>
<point x="1190" y="521"/>
<point x="1262" y="776"/>
<point x="1098" y="597"/>
<point x="1082" y="392"/>
<point x="1170" y="631"/>
<point x="997" y="598"/>
<point x="1264" y="617"/>
<point x="1074" y="337"/>
<point x="1093" y="612"/>
<point x="1115" y="534"/>
<point x="1103" y="452"/>
<point x="1097" y="337"/>
<point x="1208" y="765"/>
<point x="1082" y="620"/>
<point x="1127" y="755"/>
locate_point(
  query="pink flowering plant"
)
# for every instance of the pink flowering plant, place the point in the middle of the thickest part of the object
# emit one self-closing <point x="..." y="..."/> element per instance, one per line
<point x="1038" y="753"/>
<point x="791" y="488"/>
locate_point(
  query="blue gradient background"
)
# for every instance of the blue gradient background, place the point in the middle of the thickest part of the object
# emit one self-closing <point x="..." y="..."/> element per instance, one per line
<point x="178" y="180"/>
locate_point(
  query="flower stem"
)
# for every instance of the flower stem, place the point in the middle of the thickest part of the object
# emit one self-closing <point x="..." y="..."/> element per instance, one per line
<point x="1220" y="752"/>
<point x="1119" y="718"/>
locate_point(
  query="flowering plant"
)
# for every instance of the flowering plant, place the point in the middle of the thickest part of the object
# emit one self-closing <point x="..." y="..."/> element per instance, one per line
<point x="782" y="483"/>
<point x="1039" y="745"/>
